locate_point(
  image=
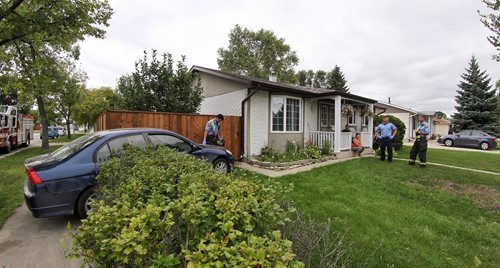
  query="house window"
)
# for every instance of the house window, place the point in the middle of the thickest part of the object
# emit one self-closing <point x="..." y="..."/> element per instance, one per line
<point x="286" y="113"/>
<point x="323" y="114"/>
<point x="331" y="115"/>
<point x="351" y="120"/>
<point x="365" y="120"/>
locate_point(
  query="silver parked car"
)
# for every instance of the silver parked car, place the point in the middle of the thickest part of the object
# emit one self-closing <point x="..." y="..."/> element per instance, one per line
<point x="470" y="138"/>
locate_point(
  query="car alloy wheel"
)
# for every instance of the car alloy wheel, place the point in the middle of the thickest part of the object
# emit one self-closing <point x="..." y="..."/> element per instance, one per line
<point x="485" y="146"/>
<point x="91" y="198"/>
<point x="221" y="166"/>
<point x="448" y="143"/>
<point x="83" y="205"/>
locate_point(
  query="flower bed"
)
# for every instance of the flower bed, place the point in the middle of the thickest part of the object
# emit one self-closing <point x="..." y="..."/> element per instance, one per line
<point x="288" y="165"/>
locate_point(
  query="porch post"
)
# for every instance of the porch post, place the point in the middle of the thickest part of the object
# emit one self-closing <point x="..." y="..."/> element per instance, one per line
<point x="370" y="125"/>
<point x="338" y="122"/>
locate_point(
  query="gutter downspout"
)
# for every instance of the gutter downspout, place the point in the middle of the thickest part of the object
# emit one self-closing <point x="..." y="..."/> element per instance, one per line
<point x="242" y="128"/>
<point x="383" y="111"/>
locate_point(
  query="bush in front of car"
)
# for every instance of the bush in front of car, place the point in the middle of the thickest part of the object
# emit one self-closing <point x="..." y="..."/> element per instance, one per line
<point x="164" y="209"/>
<point x="398" y="141"/>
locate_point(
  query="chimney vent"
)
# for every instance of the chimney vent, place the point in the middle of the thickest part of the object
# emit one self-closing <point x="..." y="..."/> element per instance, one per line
<point x="389" y="100"/>
<point x="273" y="77"/>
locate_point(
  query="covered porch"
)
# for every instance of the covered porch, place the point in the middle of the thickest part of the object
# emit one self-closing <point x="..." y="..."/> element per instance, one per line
<point x="333" y="114"/>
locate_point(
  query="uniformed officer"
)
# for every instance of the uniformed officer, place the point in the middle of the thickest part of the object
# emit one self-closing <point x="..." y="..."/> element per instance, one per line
<point x="420" y="144"/>
<point x="386" y="132"/>
<point x="212" y="131"/>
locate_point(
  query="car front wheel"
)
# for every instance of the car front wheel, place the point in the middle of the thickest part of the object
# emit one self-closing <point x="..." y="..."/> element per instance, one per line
<point x="485" y="145"/>
<point x="448" y="143"/>
<point x="221" y="165"/>
<point x="83" y="204"/>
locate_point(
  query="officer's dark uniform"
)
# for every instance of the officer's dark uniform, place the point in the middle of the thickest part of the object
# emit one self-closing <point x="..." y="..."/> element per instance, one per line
<point x="420" y="145"/>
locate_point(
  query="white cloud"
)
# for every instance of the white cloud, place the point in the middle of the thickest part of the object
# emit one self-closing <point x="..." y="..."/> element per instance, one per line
<point x="412" y="51"/>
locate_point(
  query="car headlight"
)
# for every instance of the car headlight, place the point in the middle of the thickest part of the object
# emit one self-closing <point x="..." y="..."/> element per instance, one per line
<point x="229" y="152"/>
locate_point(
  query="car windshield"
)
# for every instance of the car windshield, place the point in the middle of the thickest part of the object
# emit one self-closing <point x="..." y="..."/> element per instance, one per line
<point x="74" y="146"/>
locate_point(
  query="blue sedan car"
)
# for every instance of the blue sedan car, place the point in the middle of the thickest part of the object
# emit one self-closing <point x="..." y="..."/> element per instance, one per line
<point x="470" y="138"/>
<point x="62" y="182"/>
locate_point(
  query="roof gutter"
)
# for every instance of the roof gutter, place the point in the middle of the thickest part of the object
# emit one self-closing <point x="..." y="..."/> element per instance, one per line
<point x="242" y="127"/>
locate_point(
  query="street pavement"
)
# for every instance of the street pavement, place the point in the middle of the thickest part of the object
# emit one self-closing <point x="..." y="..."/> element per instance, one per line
<point x="435" y="145"/>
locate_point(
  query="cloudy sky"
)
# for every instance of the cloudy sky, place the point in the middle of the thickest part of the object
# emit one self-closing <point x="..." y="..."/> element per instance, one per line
<point x="411" y="51"/>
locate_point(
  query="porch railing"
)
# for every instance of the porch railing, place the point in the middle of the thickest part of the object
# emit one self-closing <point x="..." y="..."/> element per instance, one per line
<point x="366" y="139"/>
<point x="319" y="138"/>
<point x="345" y="140"/>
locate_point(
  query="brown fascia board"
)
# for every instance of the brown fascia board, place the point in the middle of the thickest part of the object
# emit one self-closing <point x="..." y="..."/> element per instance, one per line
<point x="269" y="87"/>
<point x="219" y="74"/>
<point x="349" y="95"/>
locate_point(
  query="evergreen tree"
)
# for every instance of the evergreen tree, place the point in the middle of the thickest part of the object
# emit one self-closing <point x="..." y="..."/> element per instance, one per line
<point x="336" y="80"/>
<point x="477" y="103"/>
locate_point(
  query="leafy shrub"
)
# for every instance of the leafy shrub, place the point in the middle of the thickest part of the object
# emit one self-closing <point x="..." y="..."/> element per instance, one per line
<point x="326" y="149"/>
<point x="293" y="153"/>
<point x="398" y="142"/>
<point x="164" y="209"/>
<point x="311" y="152"/>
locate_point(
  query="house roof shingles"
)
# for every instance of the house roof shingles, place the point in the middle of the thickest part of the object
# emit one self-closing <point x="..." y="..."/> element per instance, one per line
<point x="262" y="83"/>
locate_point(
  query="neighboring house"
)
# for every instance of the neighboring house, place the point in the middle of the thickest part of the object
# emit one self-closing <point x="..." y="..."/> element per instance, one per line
<point x="406" y="115"/>
<point x="410" y="118"/>
<point x="441" y="126"/>
<point x="275" y="113"/>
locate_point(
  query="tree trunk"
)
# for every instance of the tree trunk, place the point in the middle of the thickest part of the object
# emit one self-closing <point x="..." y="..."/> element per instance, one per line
<point x="44" y="121"/>
<point x="68" y="127"/>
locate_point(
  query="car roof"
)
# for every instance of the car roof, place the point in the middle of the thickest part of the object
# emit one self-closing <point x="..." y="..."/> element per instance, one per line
<point x="121" y="131"/>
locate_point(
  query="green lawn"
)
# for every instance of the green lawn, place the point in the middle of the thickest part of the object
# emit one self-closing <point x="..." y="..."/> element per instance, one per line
<point x="476" y="160"/>
<point x="12" y="177"/>
<point x="402" y="216"/>
<point x="66" y="139"/>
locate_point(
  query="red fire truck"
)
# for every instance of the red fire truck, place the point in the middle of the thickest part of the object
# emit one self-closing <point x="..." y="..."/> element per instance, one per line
<point x="15" y="129"/>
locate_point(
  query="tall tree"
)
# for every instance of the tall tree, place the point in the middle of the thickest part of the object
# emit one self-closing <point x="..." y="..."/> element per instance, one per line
<point x="335" y="79"/>
<point x="92" y="103"/>
<point x="319" y="79"/>
<point x="476" y="101"/>
<point x="258" y="54"/>
<point x="492" y="22"/>
<point x="157" y="85"/>
<point x="70" y="94"/>
<point x="34" y="33"/>
<point x="441" y="115"/>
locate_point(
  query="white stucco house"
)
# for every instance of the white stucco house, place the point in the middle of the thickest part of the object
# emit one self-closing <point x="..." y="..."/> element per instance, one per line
<point x="274" y="113"/>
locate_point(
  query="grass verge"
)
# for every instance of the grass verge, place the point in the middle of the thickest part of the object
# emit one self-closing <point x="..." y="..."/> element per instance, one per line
<point x="12" y="177"/>
<point x="66" y="139"/>
<point x="475" y="160"/>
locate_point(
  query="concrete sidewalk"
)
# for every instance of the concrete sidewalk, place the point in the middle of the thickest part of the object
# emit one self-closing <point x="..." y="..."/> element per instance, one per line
<point x="455" y="167"/>
<point x="26" y="241"/>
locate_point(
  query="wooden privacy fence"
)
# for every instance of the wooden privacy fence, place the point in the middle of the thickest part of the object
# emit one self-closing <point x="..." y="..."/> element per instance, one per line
<point x="191" y="126"/>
